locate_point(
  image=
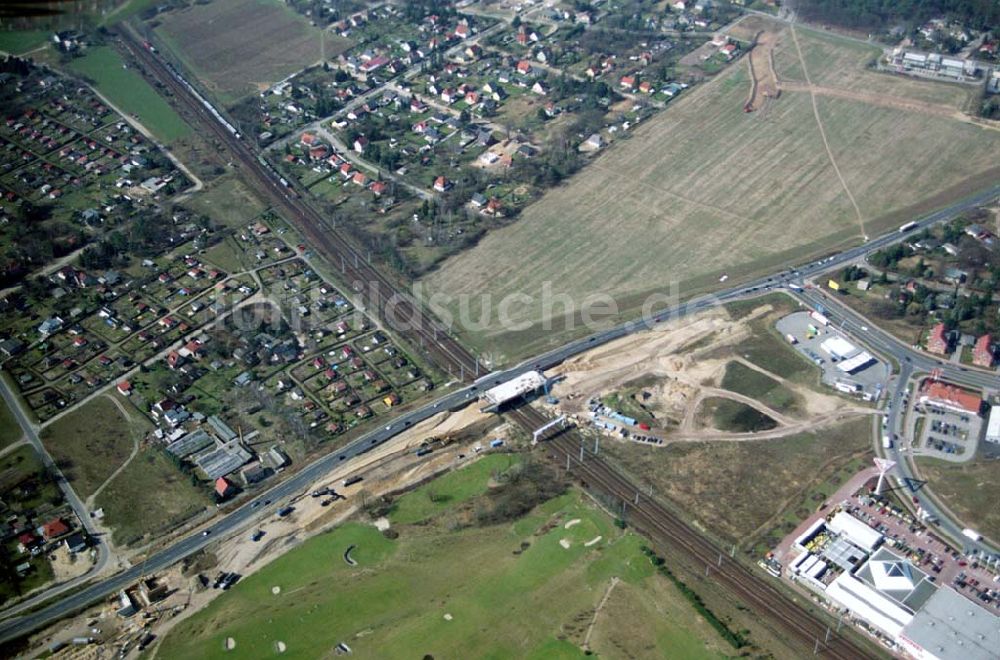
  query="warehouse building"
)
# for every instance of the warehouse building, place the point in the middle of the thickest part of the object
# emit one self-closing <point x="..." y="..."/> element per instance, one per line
<point x="951" y="626"/>
<point x="838" y="348"/>
<point x="993" y="425"/>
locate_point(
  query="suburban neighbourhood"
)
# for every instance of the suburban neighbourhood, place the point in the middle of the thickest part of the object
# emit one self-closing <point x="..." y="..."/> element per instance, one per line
<point x="665" y="329"/>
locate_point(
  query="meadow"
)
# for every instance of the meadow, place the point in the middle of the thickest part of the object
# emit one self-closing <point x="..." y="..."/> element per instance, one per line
<point x="966" y="488"/>
<point x="130" y="93"/>
<point x="89" y="444"/>
<point x="743" y="492"/>
<point x="239" y="47"/>
<point x="498" y="591"/>
<point x="704" y="190"/>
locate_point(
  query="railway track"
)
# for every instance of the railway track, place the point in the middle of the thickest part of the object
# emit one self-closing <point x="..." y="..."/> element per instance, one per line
<point x="657" y="522"/>
<point x="396" y="309"/>
<point x="403" y="315"/>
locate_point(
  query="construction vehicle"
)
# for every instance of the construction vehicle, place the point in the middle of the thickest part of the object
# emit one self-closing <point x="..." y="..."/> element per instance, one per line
<point x="551" y="400"/>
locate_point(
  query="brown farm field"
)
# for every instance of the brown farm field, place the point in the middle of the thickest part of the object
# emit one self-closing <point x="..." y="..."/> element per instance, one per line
<point x="704" y="189"/>
<point x="238" y="47"/>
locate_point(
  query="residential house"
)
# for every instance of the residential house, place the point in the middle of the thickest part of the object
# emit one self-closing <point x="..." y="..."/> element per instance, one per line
<point x="939" y="341"/>
<point x="982" y="352"/>
<point x="54" y="529"/>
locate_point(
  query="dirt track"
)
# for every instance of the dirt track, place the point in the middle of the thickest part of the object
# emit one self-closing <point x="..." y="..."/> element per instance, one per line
<point x="764" y="85"/>
<point x="891" y="102"/>
<point x="685" y="377"/>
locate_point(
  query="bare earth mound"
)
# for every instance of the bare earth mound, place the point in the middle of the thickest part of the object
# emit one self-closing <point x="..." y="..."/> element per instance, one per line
<point x="706" y="189"/>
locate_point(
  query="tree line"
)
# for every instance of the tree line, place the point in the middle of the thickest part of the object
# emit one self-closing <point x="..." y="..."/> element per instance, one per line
<point x="879" y="14"/>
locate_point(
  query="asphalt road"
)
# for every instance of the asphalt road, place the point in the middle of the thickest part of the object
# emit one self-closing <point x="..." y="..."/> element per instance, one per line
<point x="910" y="362"/>
<point x="237" y="520"/>
<point x="31" y="433"/>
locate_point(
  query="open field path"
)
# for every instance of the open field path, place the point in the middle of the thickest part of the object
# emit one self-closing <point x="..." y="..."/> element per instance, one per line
<point x="891" y="102"/>
<point x="135" y="452"/>
<point x="822" y="133"/>
<point x="597" y="612"/>
<point x="14" y="446"/>
<point x="748" y="401"/>
<point x="811" y="424"/>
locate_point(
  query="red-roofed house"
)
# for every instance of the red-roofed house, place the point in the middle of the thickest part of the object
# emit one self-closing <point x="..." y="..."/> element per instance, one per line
<point x="125" y="388"/>
<point x="524" y="66"/>
<point x="53" y="529"/>
<point x="360" y="179"/>
<point x="627" y="82"/>
<point x="27" y="541"/>
<point x="379" y="187"/>
<point x="441" y="184"/>
<point x="937" y="342"/>
<point x="948" y="396"/>
<point x="982" y="352"/>
<point x="174" y="359"/>
<point x="223" y="488"/>
<point x="308" y="139"/>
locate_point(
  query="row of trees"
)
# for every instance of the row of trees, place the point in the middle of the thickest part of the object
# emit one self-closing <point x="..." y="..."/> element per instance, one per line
<point x="880" y="14"/>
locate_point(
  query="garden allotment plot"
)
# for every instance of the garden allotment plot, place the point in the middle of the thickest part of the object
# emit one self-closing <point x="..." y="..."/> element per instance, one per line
<point x="704" y="189"/>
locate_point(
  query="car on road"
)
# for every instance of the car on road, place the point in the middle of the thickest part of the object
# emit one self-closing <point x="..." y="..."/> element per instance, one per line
<point x="206" y="532"/>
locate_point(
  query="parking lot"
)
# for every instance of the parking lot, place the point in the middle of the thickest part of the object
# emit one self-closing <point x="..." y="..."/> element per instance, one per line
<point x="968" y="575"/>
<point x="810" y="334"/>
<point x="973" y="576"/>
<point x="947" y="434"/>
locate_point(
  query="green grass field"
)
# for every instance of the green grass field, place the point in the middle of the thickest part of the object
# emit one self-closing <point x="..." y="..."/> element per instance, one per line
<point x="742" y="379"/>
<point x="17" y="42"/>
<point x="90" y="443"/>
<point x="444" y="492"/>
<point x="228" y="201"/>
<point x="733" y="416"/>
<point x="130" y="92"/>
<point x="967" y="490"/>
<point x="738" y="489"/>
<point x="509" y="590"/>
<point x="238" y="47"/>
<point x="704" y="189"/>
<point x="10" y="431"/>
<point x="766" y="348"/>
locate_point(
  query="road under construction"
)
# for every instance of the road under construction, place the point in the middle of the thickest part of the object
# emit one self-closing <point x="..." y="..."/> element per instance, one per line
<point x="403" y="315"/>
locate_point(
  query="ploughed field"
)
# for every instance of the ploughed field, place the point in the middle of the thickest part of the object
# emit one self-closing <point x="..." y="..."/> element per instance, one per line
<point x="705" y="189"/>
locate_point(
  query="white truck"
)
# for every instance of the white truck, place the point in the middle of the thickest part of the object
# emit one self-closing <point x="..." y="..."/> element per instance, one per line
<point x="971" y="534"/>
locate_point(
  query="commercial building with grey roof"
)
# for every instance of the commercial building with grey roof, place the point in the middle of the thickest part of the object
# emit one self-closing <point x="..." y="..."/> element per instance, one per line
<point x="951" y="626"/>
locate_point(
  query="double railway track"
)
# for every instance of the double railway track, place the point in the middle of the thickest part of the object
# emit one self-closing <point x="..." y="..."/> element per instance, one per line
<point x="655" y="521"/>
